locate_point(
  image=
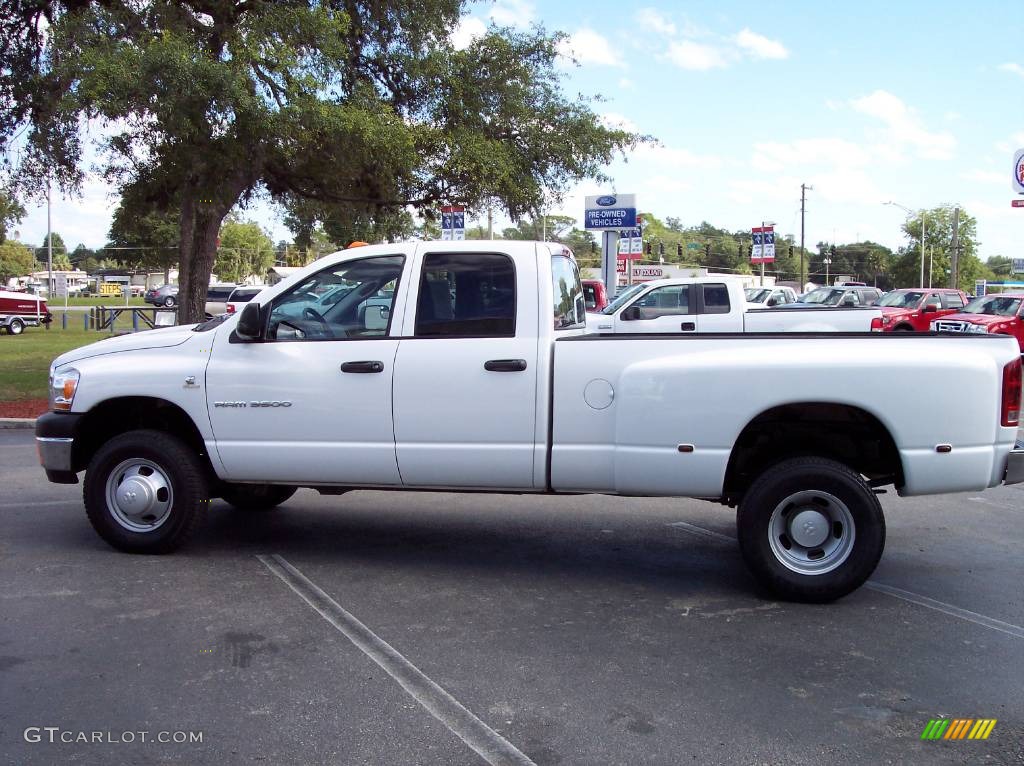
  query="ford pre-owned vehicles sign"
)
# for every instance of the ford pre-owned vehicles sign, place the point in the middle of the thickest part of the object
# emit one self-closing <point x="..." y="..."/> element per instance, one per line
<point x="610" y="211"/>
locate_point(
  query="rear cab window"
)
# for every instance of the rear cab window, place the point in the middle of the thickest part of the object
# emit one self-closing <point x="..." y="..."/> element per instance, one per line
<point x="715" y="298"/>
<point x="466" y="295"/>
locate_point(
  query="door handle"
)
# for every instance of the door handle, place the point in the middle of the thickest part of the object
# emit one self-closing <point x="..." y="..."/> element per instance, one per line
<point x="362" y="367"/>
<point x="688" y="326"/>
<point x="505" y="365"/>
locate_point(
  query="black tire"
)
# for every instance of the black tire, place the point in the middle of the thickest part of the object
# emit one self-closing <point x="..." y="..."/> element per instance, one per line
<point x="256" y="497"/>
<point x="188" y="498"/>
<point x="169" y="301"/>
<point x="16" y="327"/>
<point x="809" y="482"/>
<point x="903" y="328"/>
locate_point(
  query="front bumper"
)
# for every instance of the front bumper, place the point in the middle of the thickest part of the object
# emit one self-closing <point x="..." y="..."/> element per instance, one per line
<point x="1015" y="466"/>
<point x="55" y="443"/>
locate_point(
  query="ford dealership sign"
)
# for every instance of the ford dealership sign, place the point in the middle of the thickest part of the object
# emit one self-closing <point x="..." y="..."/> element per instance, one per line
<point x="610" y="211"/>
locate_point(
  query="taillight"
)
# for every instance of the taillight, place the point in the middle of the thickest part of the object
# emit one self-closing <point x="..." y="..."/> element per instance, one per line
<point x="231" y="309"/>
<point x="876" y="324"/>
<point x="1011" y="393"/>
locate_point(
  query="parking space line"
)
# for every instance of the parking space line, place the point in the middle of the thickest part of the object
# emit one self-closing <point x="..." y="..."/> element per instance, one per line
<point x="953" y="611"/>
<point x="38" y="504"/>
<point x="481" y="738"/>
<point x="929" y="603"/>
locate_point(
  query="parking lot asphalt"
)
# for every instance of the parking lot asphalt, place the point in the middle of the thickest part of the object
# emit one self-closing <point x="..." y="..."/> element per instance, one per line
<point x="575" y="630"/>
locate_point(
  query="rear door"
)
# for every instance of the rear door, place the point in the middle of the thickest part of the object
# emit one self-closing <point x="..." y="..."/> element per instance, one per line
<point x="465" y="388"/>
<point x="715" y="309"/>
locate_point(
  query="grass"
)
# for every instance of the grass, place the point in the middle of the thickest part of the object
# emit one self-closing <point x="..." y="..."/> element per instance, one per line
<point x="25" y="359"/>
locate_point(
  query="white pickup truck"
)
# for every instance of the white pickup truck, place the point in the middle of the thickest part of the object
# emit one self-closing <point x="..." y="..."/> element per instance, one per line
<point x="465" y="366"/>
<point x="715" y="304"/>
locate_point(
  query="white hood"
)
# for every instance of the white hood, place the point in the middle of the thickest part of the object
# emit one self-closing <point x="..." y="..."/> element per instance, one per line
<point x="160" y="338"/>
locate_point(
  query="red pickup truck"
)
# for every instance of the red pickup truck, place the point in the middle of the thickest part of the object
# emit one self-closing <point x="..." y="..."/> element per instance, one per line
<point x="913" y="309"/>
<point x="594" y="295"/>
<point x="999" y="314"/>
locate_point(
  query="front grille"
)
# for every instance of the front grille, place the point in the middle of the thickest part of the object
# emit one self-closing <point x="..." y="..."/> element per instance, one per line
<point x="946" y="326"/>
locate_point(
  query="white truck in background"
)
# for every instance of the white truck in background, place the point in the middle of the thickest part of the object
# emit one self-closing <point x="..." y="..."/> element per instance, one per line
<point x="465" y="366"/>
<point x="717" y="304"/>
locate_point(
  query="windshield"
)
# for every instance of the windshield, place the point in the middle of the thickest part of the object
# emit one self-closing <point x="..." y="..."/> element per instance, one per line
<point x="823" y="296"/>
<point x="757" y="294"/>
<point x="621" y="298"/>
<point x="905" y="300"/>
<point x="994" y="305"/>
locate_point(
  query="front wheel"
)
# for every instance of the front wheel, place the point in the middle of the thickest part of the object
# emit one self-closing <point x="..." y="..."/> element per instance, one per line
<point x="256" y="497"/>
<point x="811" y="529"/>
<point x="169" y="301"/>
<point x="145" y="492"/>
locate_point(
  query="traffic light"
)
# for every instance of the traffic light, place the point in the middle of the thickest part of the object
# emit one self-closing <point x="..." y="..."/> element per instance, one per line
<point x="832" y="250"/>
<point x="593" y="247"/>
<point x="790" y="251"/>
<point x="647" y="248"/>
<point x="679" y="249"/>
<point x="707" y="250"/>
<point x="661" y="248"/>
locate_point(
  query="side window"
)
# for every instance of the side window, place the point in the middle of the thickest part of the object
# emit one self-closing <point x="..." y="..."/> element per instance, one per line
<point x="567" y="292"/>
<point x="348" y="300"/>
<point x="466" y="294"/>
<point x="716" y="299"/>
<point x="952" y="301"/>
<point x="671" y="300"/>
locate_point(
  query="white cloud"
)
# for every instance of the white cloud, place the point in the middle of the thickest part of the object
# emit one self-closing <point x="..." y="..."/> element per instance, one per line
<point x="652" y="19"/>
<point x="1011" y="144"/>
<point x="988" y="176"/>
<point x="696" y="56"/>
<point x="617" y="121"/>
<point x="774" y="156"/>
<point x="664" y="156"/>
<point x="904" y="127"/>
<point x="760" y="47"/>
<point x="589" y="47"/>
<point x="512" y="13"/>
<point x="1012" y="67"/>
<point x="468" y="29"/>
<point x="626" y="84"/>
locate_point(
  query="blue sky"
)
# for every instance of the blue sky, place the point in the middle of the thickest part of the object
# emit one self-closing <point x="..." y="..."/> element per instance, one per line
<point x="920" y="103"/>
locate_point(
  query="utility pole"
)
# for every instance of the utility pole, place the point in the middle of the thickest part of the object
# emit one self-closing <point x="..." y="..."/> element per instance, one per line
<point x="490" y="223"/>
<point x="954" y="263"/>
<point x="49" y="251"/>
<point x="804" y="188"/>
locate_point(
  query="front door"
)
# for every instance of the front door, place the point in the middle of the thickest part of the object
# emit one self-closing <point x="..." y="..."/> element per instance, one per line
<point x="667" y="309"/>
<point x="312" y="401"/>
<point x="466" y="374"/>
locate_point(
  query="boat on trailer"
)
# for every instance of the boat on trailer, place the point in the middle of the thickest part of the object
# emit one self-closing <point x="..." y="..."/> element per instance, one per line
<point x="21" y="310"/>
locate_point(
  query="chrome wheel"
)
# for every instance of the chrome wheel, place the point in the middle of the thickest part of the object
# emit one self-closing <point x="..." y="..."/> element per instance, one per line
<point x="139" y="495"/>
<point x="811" y="532"/>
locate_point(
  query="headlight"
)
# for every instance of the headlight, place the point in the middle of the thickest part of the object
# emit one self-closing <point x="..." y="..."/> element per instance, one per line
<point x="977" y="328"/>
<point x="63" y="385"/>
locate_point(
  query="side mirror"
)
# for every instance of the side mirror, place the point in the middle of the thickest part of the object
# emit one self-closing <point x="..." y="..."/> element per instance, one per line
<point x="930" y="308"/>
<point x="772" y="302"/>
<point x="849" y="300"/>
<point x="631" y="314"/>
<point x="249" y="326"/>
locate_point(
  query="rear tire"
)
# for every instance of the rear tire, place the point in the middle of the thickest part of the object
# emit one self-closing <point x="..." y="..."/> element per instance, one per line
<point x="903" y="328"/>
<point x="256" y="497"/>
<point x="169" y="301"/>
<point x="16" y="327"/>
<point x="811" y="529"/>
<point x="145" y="492"/>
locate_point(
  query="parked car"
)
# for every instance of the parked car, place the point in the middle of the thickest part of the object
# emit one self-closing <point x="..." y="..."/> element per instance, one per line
<point x="595" y="296"/>
<point x="716" y="304"/>
<point x="914" y="309"/>
<point x="841" y="297"/>
<point x="164" y="295"/>
<point x="484" y="380"/>
<point x="766" y="297"/>
<point x="240" y="296"/>
<point x="217" y="299"/>
<point x="999" y="314"/>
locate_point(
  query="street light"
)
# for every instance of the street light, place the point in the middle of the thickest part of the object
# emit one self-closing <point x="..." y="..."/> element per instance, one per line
<point x="910" y="212"/>
<point x="827" y="261"/>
